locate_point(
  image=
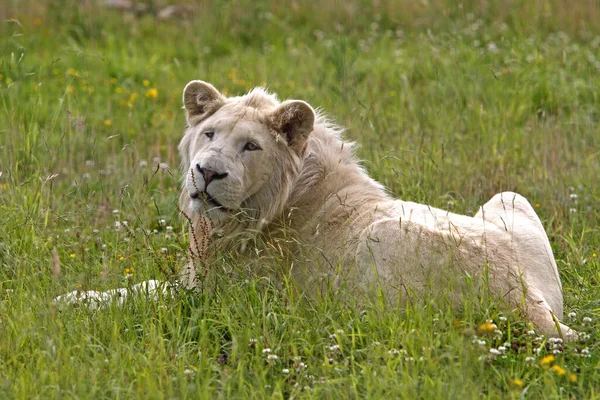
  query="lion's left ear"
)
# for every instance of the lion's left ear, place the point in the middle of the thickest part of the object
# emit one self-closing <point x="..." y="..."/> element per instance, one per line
<point x="295" y="120"/>
<point x="201" y="99"/>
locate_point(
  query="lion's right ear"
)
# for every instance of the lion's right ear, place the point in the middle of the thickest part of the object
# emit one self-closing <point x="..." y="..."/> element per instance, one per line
<point x="201" y="99"/>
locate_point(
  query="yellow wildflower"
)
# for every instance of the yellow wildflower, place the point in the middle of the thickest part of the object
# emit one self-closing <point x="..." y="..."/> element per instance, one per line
<point x="72" y="255"/>
<point x="113" y="80"/>
<point x="107" y="122"/>
<point x="69" y="89"/>
<point x="8" y="80"/>
<point x="152" y="93"/>
<point x="572" y="378"/>
<point x="146" y="82"/>
<point x="537" y="205"/>
<point x="517" y="382"/>
<point x="132" y="97"/>
<point x="119" y="90"/>
<point x="487" y="327"/>
<point x="558" y="370"/>
<point x="547" y="360"/>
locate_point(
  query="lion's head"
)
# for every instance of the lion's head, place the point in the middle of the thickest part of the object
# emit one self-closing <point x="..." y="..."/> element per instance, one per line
<point x="240" y="155"/>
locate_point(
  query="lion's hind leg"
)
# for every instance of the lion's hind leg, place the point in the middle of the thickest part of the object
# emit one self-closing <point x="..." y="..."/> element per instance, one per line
<point x="531" y="254"/>
<point x="542" y="316"/>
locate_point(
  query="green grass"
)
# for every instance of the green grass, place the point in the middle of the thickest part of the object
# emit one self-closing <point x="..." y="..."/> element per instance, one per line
<point x="450" y="104"/>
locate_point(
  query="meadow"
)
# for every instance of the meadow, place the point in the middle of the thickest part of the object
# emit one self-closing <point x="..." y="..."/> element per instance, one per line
<point x="451" y="103"/>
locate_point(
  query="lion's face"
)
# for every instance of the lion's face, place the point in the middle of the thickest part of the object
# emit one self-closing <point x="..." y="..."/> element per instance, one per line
<point x="230" y="160"/>
<point x="240" y="155"/>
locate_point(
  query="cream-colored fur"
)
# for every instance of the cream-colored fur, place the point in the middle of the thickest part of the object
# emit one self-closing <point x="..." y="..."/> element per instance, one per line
<point x="252" y="164"/>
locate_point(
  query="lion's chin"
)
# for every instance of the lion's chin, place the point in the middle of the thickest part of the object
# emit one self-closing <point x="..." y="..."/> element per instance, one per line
<point x="211" y="201"/>
<point x="205" y="203"/>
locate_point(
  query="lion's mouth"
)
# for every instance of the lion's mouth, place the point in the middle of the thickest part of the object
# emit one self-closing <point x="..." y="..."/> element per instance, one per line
<point x="210" y="200"/>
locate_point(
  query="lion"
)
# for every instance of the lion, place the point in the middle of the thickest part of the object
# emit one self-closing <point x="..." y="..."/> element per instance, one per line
<point x="253" y="165"/>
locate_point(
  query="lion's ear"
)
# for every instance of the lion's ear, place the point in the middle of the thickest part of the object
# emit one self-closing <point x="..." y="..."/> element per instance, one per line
<point x="201" y="99"/>
<point x="295" y="120"/>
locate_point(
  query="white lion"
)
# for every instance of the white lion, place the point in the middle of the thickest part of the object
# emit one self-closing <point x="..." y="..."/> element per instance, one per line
<point x="253" y="164"/>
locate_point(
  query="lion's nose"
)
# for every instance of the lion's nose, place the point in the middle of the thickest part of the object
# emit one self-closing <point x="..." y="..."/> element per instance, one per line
<point x="209" y="175"/>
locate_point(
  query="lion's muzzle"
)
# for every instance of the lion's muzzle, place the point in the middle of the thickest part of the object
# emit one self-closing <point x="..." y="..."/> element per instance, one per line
<point x="210" y="175"/>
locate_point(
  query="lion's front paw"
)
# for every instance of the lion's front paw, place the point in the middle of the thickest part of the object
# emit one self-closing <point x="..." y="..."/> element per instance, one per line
<point x="91" y="298"/>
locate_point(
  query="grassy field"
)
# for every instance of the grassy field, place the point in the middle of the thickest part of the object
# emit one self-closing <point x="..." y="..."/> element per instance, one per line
<point x="450" y="103"/>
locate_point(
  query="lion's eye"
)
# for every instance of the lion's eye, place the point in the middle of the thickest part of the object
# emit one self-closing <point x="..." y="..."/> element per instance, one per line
<point x="209" y="134"/>
<point x="251" y="146"/>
